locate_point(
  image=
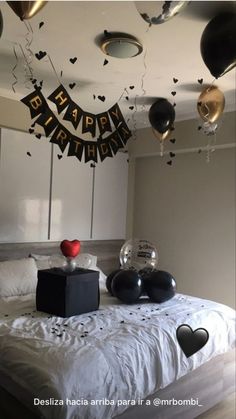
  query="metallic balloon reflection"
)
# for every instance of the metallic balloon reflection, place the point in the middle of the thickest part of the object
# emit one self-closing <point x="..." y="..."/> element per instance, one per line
<point x="138" y="254"/>
<point x="157" y="12"/>
<point x="211" y="103"/>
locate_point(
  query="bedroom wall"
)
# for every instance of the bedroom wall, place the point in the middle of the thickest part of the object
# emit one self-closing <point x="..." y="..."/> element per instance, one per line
<point x="188" y="209"/>
<point x="47" y="196"/>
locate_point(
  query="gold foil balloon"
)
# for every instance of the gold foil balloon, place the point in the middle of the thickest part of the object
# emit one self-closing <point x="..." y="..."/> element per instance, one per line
<point x="26" y="9"/>
<point x="211" y="103"/>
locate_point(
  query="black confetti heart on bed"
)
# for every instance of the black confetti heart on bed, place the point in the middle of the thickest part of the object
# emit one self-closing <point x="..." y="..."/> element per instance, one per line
<point x="31" y="130"/>
<point x="172" y="154"/>
<point x="169" y="162"/>
<point x="105" y="62"/>
<point x="72" y="85"/>
<point x="200" y="81"/>
<point x="175" y="80"/>
<point x="131" y="87"/>
<point x="131" y="107"/>
<point x="73" y="60"/>
<point x="59" y="156"/>
<point x="102" y="98"/>
<point x="191" y="341"/>
<point x="41" y="54"/>
<point x="173" y="93"/>
<point x="38" y="136"/>
<point x="28" y="154"/>
<point x="41" y="24"/>
<point x="173" y="140"/>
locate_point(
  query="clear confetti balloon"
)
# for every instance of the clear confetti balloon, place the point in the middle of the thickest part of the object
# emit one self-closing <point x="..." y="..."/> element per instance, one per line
<point x="138" y="254"/>
<point x="157" y="12"/>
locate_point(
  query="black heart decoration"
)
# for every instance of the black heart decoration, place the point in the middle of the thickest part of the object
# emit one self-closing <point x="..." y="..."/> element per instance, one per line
<point x="33" y="81"/>
<point x="73" y="60"/>
<point x="173" y="93"/>
<point x="127" y="97"/>
<point x="131" y="87"/>
<point x="41" y="24"/>
<point x="31" y="130"/>
<point x="92" y="165"/>
<point x="61" y="73"/>
<point x="199" y="127"/>
<point x="94" y="97"/>
<point x="102" y="98"/>
<point x="28" y="154"/>
<point x="131" y="107"/>
<point x="199" y="151"/>
<point x="41" y="83"/>
<point x="41" y="54"/>
<point x="174" y="104"/>
<point x="175" y="80"/>
<point x="72" y="85"/>
<point x="199" y="103"/>
<point x="191" y="341"/>
<point x="105" y="62"/>
<point x="169" y="162"/>
<point x="200" y="81"/>
<point x="38" y="136"/>
<point x="173" y="140"/>
<point x="59" y="156"/>
<point x="172" y="154"/>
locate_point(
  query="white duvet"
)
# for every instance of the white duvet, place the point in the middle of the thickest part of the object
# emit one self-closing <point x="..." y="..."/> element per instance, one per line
<point x="120" y="352"/>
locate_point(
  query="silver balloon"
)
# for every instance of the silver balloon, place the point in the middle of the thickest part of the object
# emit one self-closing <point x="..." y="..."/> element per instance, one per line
<point x="156" y="12"/>
<point x="138" y="254"/>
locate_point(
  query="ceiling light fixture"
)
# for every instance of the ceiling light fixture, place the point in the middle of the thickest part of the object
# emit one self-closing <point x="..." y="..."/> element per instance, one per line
<point x="120" y="45"/>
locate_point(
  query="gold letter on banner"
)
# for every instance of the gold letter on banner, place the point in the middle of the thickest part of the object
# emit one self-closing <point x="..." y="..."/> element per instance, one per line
<point x="35" y="102"/>
<point x="61" y="98"/>
<point x="89" y="123"/>
<point x="61" y="137"/>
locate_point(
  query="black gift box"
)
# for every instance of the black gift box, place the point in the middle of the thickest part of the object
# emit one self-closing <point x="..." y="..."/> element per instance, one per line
<point x="67" y="294"/>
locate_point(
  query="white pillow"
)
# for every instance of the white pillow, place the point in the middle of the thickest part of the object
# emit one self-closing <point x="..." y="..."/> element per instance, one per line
<point x="18" y="277"/>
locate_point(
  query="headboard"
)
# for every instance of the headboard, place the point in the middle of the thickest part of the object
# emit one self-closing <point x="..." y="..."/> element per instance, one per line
<point x="107" y="251"/>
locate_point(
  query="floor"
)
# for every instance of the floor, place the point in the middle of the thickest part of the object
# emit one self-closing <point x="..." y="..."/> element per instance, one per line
<point x="223" y="410"/>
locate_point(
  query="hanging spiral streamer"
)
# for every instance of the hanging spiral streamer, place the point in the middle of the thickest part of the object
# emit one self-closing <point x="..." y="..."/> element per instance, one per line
<point x="13" y="70"/>
<point x="29" y="55"/>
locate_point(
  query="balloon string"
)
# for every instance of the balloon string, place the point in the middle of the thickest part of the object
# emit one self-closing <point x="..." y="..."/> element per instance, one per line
<point x="161" y="148"/>
<point x="29" y="53"/>
<point x="54" y="69"/>
<point x="13" y="70"/>
<point x="134" y="119"/>
<point x="26" y="61"/>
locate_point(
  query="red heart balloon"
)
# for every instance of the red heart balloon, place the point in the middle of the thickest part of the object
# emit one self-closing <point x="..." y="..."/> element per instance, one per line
<point x="70" y="248"/>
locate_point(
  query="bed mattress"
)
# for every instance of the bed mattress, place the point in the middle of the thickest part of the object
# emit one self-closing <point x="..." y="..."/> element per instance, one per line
<point x="82" y="366"/>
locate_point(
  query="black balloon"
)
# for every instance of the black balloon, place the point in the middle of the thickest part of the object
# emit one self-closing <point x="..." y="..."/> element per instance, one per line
<point x="127" y="286"/>
<point x="1" y="23"/>
<point x="160" y="286"/>
<point x="161" y="115"/>
<point x="144" y="273"/>
<point x="109" y="280"/>
<point x="218" y="44"/>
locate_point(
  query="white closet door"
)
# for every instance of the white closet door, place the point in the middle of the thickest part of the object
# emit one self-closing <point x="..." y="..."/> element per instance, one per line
<point x="24" y="187"/>
<point x="71" y="198"/>
<point x="110" y="198"/>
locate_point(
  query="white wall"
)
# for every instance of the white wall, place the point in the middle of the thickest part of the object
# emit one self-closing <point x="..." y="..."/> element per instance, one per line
<point x="188" y="209"/>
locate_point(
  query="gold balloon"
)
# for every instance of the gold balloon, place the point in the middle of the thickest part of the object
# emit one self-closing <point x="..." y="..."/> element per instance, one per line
<point x="211" y="103"/>
<point x="26" y="9"/>
<point x="161" y="136"/>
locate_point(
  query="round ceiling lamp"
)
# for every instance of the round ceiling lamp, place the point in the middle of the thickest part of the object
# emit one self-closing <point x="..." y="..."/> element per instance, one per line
<point x="120" y="45"/>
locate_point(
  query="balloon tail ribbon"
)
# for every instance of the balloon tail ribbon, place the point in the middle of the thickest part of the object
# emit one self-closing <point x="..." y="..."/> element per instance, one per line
<point x="162" y="148"/>
<point x="134" y="118"/>
<point x="25" y="58"/>
<point x="13" y="70"/>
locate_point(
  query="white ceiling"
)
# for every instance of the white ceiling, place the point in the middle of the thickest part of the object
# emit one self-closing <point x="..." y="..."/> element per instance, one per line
<point x="70" y="30"/>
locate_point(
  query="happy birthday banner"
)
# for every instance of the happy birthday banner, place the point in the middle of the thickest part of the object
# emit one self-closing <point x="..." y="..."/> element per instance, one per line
<point x="105" y="147"/>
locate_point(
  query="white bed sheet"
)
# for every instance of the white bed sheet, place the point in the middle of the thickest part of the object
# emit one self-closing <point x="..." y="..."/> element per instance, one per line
<point x="120" y="352"/>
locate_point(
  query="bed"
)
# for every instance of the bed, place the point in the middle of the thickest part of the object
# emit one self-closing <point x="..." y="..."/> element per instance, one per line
<point x="80" y="367"/>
